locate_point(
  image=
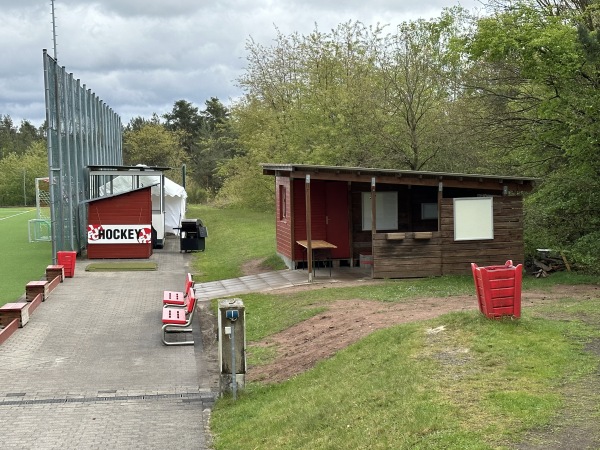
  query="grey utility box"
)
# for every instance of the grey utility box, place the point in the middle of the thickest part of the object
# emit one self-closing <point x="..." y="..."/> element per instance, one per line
<point x="232" y="345"/>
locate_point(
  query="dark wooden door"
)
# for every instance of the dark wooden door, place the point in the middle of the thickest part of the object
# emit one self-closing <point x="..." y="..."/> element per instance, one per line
<point x="336" y="218"/>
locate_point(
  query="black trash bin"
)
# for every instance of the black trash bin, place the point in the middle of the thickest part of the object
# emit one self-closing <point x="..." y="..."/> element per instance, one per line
<point x="192" y="235"/>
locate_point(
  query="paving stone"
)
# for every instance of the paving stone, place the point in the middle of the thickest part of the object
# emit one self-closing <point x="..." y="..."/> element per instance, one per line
<point x="90" y="371"/>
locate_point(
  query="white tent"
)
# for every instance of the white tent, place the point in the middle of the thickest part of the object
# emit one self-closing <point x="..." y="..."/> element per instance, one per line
<point x="174" y="201"/>
<point x="175" y="204"/>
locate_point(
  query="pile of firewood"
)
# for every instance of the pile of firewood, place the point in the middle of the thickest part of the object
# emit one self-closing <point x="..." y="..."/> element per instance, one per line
<point x="546" y="262"/>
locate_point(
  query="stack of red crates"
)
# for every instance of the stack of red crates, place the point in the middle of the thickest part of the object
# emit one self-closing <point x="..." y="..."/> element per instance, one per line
<point x="498" y="289"/>
<point x="67" y="259"/>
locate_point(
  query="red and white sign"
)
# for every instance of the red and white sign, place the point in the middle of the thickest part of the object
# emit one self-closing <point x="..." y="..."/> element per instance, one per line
<point x="119" y="234"/>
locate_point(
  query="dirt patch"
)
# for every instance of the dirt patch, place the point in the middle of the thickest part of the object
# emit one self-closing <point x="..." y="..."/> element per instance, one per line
<point x="254" y="267"/>
<point x="300" y="347"/>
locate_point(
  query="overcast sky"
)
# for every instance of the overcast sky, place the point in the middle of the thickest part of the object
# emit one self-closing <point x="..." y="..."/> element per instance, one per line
<point x="140" y="56"/>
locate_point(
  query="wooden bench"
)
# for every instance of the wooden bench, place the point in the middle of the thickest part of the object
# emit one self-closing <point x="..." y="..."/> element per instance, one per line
<point x="55" y="271"/>
<point x="33" y="288"/>
<point x="178" y="298"/>
<point x="179" y="320"/>
<point x="11" y="311"/>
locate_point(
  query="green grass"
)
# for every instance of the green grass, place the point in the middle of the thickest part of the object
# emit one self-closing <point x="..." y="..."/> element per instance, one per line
<point x="21" y="260"/>
<point x="234" y="237"/>
<point x="12" y="212"/>
<point x="478" y="384"/>
<point x="558" y="278"/>
<point x="269" y="313"/>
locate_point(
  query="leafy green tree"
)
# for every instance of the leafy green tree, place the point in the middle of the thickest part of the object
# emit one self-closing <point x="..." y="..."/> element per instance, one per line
<point x="245" y="186"/>
<point x="153" y="145"/>
<point x="543" y="71"/>
<point x="18" y="173"/>
<point x="217" y="144"/>
<point x="418" y="74"/>
<point x="356" y="96"/>
<point x="185" y="119"/>
<point x="137" y="123"/>
<point x="15" y="139"/>
<point x="208" y="140"/>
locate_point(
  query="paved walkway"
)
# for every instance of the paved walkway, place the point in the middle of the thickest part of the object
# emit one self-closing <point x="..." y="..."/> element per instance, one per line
<point x="265" y="282"/>
<point x="89" y="370"/>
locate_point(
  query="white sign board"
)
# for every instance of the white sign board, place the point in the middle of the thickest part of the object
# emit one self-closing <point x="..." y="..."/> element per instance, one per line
<point x="473" y="218"/>
<point x="119" y="234"/>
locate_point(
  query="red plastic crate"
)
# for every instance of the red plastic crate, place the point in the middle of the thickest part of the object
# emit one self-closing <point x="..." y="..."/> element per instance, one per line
<point x="498" y="289"/>
<point x="67" y="259"/>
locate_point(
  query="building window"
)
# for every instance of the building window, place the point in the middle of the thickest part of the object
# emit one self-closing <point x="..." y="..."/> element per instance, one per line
<point x="429" y="211"/>
<point x="282" y="202"/>
<point x="387" y="210"/>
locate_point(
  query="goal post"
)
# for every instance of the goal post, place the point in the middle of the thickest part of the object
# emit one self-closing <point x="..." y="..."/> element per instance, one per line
<point x="40" y="228"/>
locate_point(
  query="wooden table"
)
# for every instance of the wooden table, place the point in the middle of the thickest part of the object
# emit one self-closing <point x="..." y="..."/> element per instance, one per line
<point x="317" y="245"/>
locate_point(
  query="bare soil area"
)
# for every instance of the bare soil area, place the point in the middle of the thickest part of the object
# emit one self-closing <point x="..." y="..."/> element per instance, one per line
<point x="300" y="347"/>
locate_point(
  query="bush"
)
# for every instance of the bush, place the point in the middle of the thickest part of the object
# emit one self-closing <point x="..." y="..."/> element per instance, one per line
<point x="197" y="195"/>
<point x="586" y="253"/>
<point x="245" y="186"/>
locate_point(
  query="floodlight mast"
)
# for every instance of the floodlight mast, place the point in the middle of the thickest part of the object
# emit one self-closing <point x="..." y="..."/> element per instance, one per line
<point x="54" y="30"/>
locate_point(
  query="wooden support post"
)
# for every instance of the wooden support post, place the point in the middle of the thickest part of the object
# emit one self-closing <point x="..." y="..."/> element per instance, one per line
<point x="309" y="258"/>
<point x="373" y="224"/>
<point x="439" y="204"/>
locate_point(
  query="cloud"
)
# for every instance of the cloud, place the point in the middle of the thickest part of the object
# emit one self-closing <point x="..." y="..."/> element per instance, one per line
<point x="140" y="56"/>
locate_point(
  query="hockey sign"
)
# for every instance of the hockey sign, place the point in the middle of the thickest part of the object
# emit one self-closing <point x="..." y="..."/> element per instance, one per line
<point x="119" y="234"/>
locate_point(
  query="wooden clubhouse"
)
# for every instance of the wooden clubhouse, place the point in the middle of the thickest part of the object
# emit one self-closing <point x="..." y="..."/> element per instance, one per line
<point x="402" y="223"/>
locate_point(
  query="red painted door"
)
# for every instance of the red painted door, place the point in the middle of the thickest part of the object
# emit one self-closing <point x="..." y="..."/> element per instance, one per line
<point x="336" y="218"/>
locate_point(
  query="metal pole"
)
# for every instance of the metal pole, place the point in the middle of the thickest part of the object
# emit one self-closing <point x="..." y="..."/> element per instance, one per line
<point x="54" y="32"/>
<point x="233" y="371"/>
<point x="52" y="144"/>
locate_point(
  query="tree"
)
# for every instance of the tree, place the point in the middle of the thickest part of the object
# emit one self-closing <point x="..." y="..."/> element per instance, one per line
<point x="216" y="144"/>
<point x="356" y="96"/>
<point x="207" y="139"/>
<point x="15" y="139"/>
<point x="185" y="119"/>
<point x="543" y="65"/>
<point x="418" y="74"/>
<point x="137" y="123"/>
<point x="18" y="174"/>
<point x="153" y="145"/>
